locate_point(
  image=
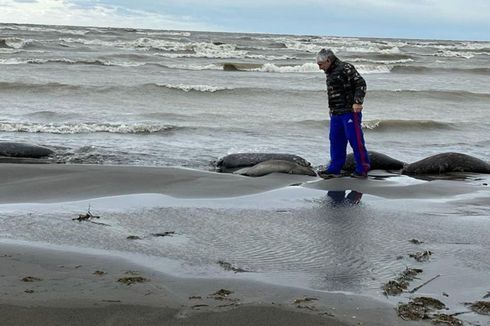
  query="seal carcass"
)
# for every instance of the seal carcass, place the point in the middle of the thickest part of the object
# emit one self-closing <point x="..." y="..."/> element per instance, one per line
<point x="445" y="163"/>
<point x="233" y="162"/>
<point x="378" y="161"/>
<point x="279" y="166"/>
<point x="10" y="149"/>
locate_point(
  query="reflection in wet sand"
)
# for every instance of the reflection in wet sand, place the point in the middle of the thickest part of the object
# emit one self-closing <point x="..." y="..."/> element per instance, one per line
<point x="340" y="198"/>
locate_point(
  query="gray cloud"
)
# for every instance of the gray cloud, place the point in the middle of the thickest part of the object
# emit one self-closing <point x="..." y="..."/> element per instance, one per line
<point x="386" y="18"/>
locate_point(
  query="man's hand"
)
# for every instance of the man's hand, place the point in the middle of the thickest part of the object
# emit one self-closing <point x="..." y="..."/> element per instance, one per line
<point x="357" y="107"/>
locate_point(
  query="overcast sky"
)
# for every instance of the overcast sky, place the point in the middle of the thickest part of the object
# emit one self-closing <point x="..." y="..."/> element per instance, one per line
<point x="429" y="19"/>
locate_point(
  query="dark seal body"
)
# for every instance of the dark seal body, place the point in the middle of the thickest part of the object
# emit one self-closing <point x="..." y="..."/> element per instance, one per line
<point x="9" y="149"/>
<point x="276" y="166"/>
<point x="445" y="163"/>
<point x="378" y="161"/>
<point x="233" y="162"/>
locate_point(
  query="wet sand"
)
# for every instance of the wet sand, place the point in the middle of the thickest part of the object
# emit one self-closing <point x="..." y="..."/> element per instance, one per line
<point x="51" y="183"/>
<point x="75" y="289"/>
<point x="66" y="290"/>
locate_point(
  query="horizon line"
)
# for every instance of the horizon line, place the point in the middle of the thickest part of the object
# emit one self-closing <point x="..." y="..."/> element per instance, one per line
<point x="245" y="32"/>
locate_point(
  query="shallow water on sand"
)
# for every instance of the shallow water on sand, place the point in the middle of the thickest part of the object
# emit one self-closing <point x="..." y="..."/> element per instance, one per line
<point x="333" y="241"/>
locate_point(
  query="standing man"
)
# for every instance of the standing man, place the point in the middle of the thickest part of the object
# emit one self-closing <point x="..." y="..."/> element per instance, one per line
<point x="346" y="90"/>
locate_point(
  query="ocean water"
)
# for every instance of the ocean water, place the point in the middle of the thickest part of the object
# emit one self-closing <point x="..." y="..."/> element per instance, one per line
<point x="185" y="98"/>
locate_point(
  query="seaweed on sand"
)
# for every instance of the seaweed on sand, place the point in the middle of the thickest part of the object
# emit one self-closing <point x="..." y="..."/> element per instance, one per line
<point x="129" y="280"/>
<point x="400" y="284"/>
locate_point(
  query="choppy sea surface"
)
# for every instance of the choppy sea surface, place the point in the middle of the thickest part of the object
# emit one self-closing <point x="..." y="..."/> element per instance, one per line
<point x="185" y="98"/>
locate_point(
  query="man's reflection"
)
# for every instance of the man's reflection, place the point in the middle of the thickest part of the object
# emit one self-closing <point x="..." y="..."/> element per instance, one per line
<point x="338" y="198"/>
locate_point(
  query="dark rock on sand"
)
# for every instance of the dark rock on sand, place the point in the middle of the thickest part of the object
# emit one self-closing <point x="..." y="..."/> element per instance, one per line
<point x="23" y="150"/>
<point x="233" y="162"/>
<point x="379" y="161"/>
<point x="445" y="163"/>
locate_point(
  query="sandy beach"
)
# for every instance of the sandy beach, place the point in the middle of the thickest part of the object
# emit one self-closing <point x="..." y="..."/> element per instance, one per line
<point x="126" y="222"/>
<point x="176" y="246"/>
<point x="70" y="292"/>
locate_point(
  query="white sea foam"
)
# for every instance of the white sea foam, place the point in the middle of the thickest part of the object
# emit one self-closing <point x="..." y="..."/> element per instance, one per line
<point x="208" y="54"/>
<point x="454" y="46"/>
<point x="165" y="33"/>
<point x="11" y="61"/>
<point x="387" y="62"/>
<point x="338" y="45"/>
<point x="301" y="46"/>
<point x="195" y="49"/>
<point x="452" y="54"/>
<point x="194" y="67"/>
<point x="149" y="43"/>
<point x="198" y="88"/>
<point x="307" y="67"/>
<point x="89" y="42"/>
<point x="269" y="57"/>
<point x="9" y="51"/>
<point x="313" y="68"/>
<point x="209" y="50"/>
<point x="69" y="128"/>
<point x="15" y="61"/>
<point x="369" y="49"/>
<point x="374" y="69"/>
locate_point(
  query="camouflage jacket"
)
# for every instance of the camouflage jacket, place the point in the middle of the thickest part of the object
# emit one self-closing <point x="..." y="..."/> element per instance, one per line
<point x="345" y="86"/>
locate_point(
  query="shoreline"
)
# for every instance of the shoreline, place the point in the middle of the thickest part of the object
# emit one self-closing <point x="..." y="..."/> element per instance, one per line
<point x="48" y="183"/>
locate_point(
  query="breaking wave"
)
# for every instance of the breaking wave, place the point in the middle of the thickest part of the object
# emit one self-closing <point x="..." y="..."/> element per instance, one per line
<point x="190" y="88"/>
<point x="98" y="62"/>
<point x="49" y="87"/>
<point x="165" y="33"/>
<point x="460" y="54"/>
<point x="383" y="62"/>
<point x="269" y="67"/>
<point x="169" y="49"/>
<point x="15" y="43"/>
<point x="83" y="128"/>
<point x="194" y="66"/>
<point x="350" y="45"/>
<point x="309" y="67"/>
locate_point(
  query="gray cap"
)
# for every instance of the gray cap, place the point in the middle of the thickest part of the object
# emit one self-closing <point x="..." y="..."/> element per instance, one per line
<point x="325" y="54"/>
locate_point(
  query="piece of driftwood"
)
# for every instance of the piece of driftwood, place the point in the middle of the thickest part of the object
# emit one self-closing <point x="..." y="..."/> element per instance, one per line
<point x="424" y="284"/>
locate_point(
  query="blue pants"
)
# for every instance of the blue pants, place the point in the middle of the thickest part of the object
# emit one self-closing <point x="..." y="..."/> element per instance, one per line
<point x="347" y="128"/>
